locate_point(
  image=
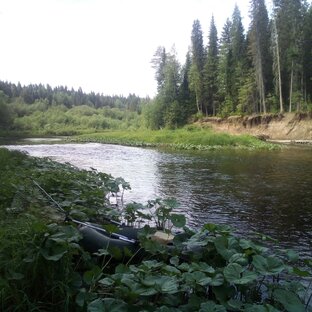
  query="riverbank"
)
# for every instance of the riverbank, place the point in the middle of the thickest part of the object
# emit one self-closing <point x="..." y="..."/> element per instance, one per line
<point x="224" y="270"/>
<point x="192" y="137"/>
<point x="291" y="127"/>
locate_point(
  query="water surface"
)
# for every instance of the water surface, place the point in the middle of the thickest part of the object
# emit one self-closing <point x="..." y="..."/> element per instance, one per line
<point x="259" y="191"/>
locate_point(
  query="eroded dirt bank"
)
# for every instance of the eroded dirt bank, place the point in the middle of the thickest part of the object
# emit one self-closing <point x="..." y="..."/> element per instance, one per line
<point x="287" y="126"/>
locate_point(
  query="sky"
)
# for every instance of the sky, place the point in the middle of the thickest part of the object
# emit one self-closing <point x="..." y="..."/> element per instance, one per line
<point x="104" y="46"/>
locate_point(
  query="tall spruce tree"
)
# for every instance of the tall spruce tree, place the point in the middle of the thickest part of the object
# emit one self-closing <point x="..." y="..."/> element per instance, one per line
<point x="186" y="96"/>
<point x="225" y="69"/>
<point x="210" y="75"/>
<point x="239" y="56"/>
<point x="196" y="71"/>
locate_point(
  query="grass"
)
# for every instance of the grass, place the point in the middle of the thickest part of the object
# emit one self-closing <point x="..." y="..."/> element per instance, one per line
<point x="191" y="137"/>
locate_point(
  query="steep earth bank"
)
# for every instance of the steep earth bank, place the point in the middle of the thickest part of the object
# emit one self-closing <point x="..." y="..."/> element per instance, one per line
<point x="287" y="126"/>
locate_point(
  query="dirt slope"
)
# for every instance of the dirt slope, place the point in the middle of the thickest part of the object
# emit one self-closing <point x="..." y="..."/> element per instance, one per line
<point x="287" y="126"/>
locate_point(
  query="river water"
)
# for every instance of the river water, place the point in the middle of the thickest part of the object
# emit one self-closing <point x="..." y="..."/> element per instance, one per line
<point x="252" y="191"/>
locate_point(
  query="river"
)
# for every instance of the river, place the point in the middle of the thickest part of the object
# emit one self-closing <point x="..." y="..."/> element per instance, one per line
<point x="252" y="191"/>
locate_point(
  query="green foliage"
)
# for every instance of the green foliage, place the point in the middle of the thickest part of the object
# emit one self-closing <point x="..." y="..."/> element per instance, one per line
<point x="154" y="114"/>
<point x="169" y="109"/>
<point x="197" y="139"/>
<point x="38" y="118"/>
<point x="210" y="71"/>
<point x="289" y="20"/>
<point x="247" y="99"/>
<point x="39" y="110"/>
<point x="43" y="267"/>
<point x="5" y="112"/>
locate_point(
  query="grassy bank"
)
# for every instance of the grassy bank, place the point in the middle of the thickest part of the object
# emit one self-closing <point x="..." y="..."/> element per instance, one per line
<point x="191" y="137"/>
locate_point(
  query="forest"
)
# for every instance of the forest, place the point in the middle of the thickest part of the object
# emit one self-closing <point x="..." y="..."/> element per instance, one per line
<point x="266" y="68"/>
<point x="39" y="109"/>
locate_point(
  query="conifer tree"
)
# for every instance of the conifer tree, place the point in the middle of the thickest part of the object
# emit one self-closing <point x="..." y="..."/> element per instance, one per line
<point x="225" y="69"/>
<point x="211" y="71"/>
<point x="186" y="96"/>
<point x="289" y="28"/>
<point x="238" y="55"/>
<point x="259" y="42"/>
<point x="159" y="63"/>
<point x="196" y="71"/>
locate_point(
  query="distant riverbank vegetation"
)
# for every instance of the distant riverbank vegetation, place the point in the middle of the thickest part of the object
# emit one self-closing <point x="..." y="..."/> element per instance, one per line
<point x="265" y="68"/>
<point x="188" y="138"/>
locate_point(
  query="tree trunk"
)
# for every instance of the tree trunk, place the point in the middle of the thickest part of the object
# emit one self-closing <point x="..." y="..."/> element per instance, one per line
<point x="278" y="67"/>
<point x="291" y="85"/>
<point x="197" y="104"/>
<point x="262" y="93"/>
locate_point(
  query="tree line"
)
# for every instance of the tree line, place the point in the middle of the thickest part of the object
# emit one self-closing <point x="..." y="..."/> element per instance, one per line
<point x="267" y="68"/>
<point x="40" y="109"/>
<point x="61" y="95"/>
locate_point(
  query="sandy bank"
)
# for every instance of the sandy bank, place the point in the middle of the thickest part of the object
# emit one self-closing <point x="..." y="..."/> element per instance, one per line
<point x="288" y="126"/>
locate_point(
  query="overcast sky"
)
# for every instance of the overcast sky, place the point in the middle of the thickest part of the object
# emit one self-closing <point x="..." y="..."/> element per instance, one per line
<point x="100" y="45"/>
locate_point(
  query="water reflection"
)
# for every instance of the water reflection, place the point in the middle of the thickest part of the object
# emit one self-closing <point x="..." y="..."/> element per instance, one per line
<point x="268" y="192"/>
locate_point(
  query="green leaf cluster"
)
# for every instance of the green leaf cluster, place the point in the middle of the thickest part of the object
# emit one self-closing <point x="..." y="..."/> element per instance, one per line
<point x="43" y="266"/>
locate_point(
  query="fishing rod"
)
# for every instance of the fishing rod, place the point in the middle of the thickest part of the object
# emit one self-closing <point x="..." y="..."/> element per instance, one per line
<point x="50" y="198"/>
<point x="68" y="218"/>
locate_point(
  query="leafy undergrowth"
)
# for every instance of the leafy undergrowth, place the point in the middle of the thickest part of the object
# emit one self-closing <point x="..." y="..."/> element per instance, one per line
<point x="44" y="268"/>
<point x="189" y="138"/>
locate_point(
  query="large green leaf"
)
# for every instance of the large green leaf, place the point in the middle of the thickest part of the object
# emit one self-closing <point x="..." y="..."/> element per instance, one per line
<point x="107" y="282"/>
<point x="178" y="220"/>
<point x="193" y="277"/>
<point x="151" y="264"/>
<point x="234" y="273"/>
<point x="150" y="280"/>
<point x="235" y="304"/>
<point x="268" y="266"/>
<point x="289" y="300"/>
<point x="107" y="305"/>
<point x="168" y="284"/>
<point x="223" y="248"/>
<point x="217" y="280"/>
<point x="55" y="253"/>
<point x="151" y="285"/>
<point x="171" y="269"/>
<point x="201" y="266"/>
<point x="92" y="275"/>
<point x="239" y="258"/>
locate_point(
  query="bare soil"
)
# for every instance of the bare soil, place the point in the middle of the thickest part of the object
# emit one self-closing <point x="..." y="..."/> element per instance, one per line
<point x="287" y="126"/>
